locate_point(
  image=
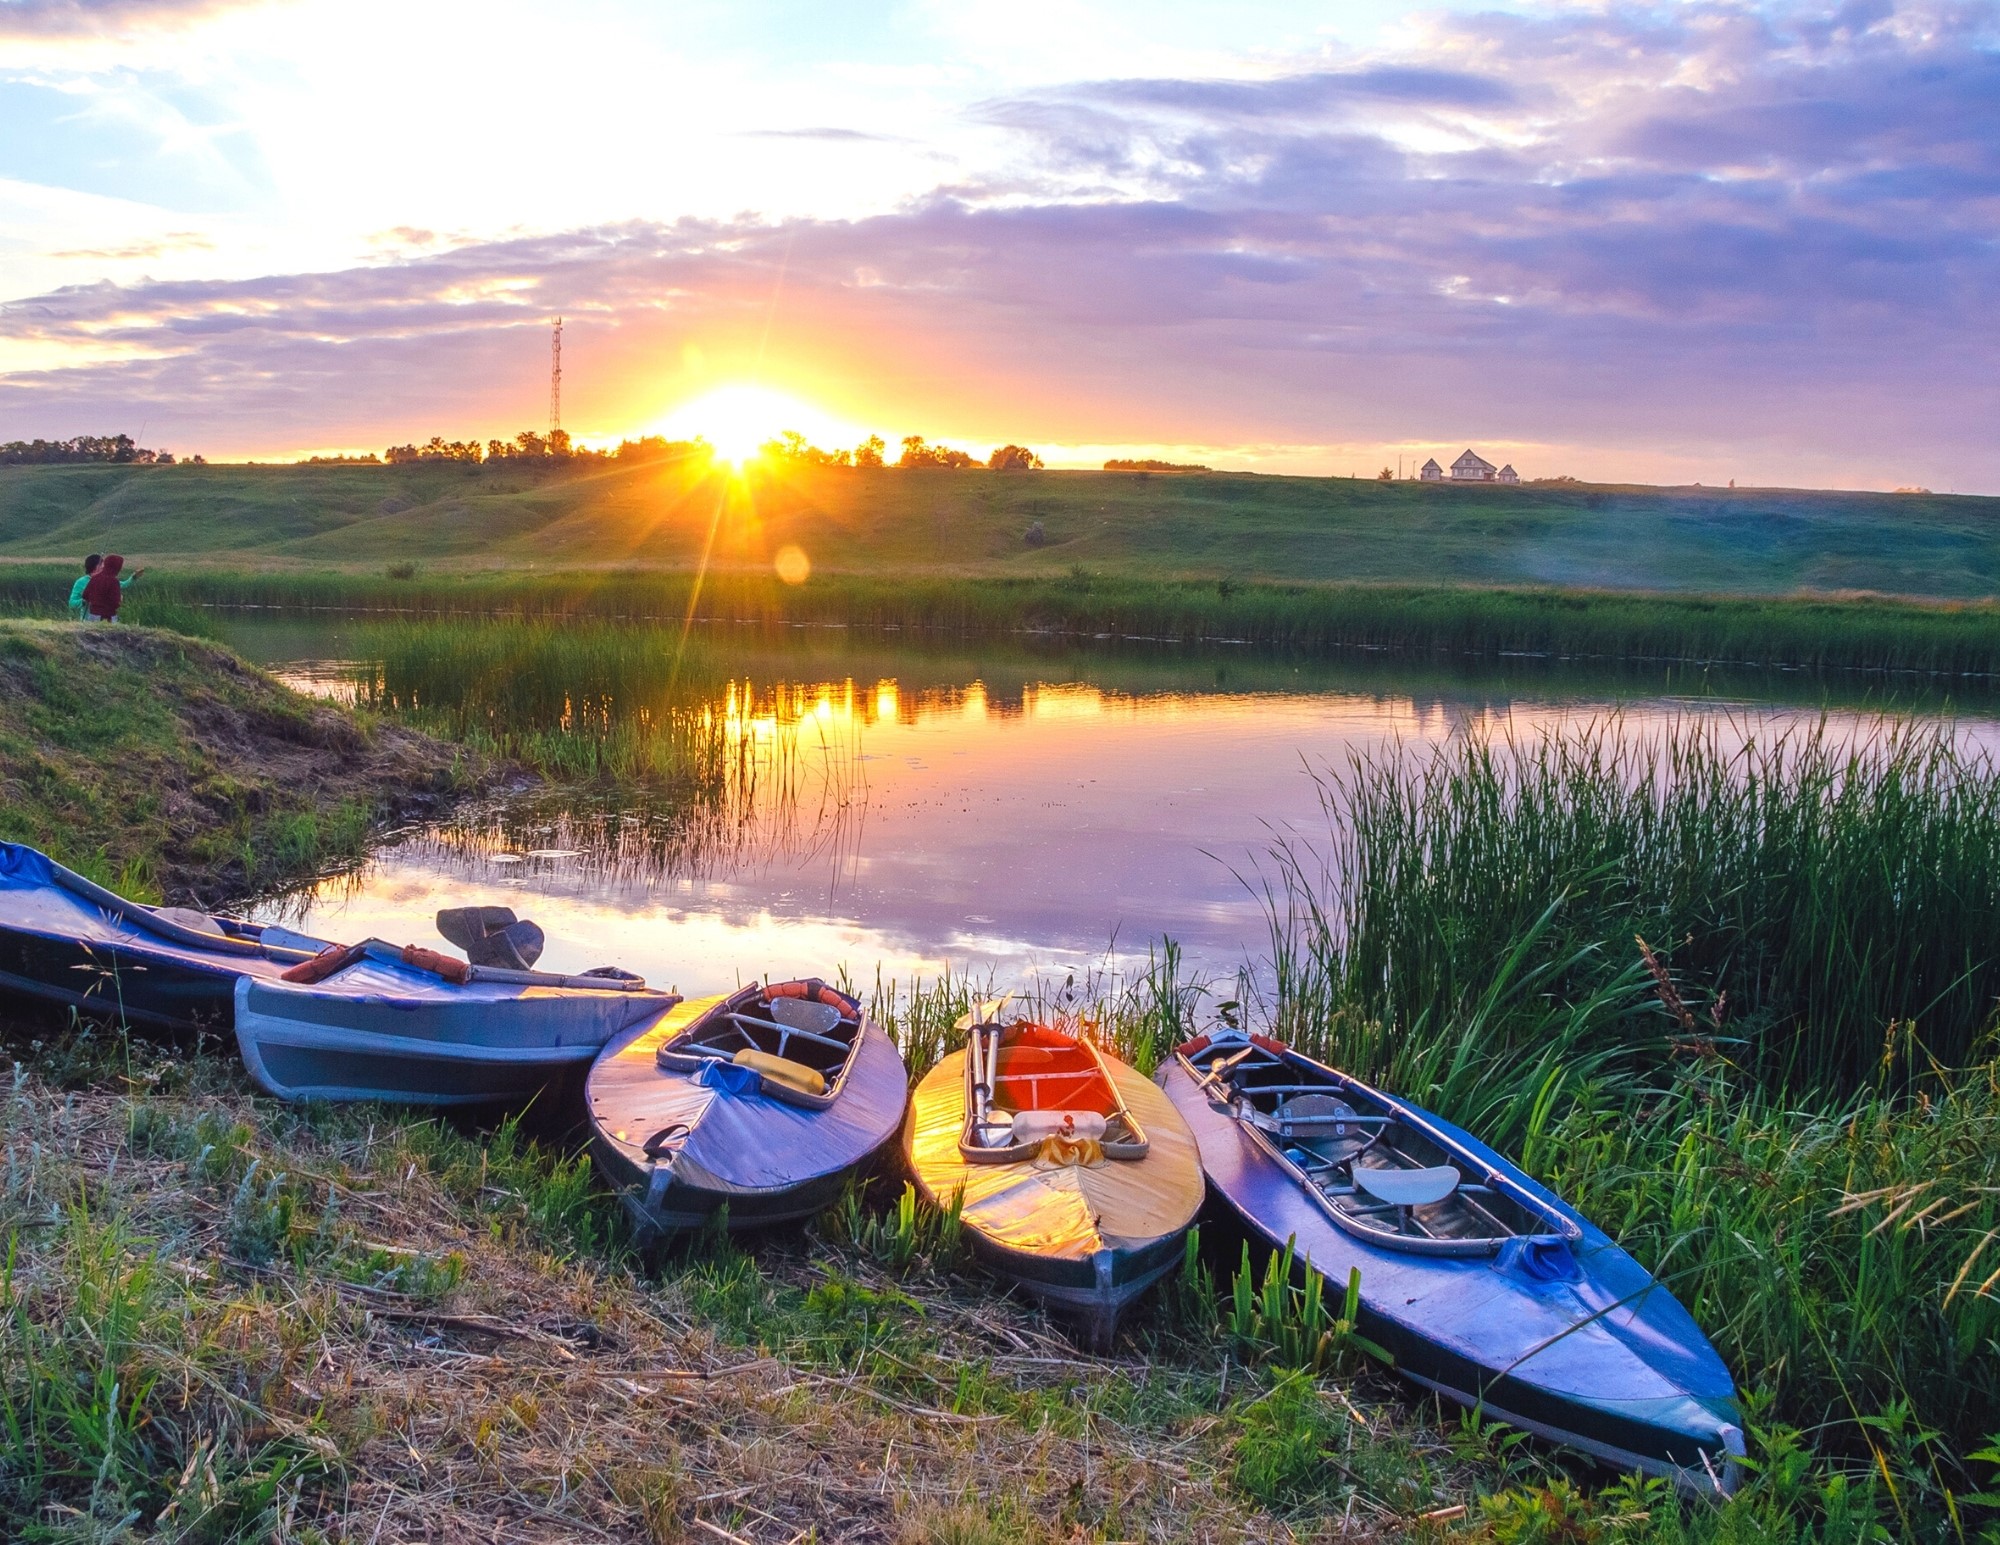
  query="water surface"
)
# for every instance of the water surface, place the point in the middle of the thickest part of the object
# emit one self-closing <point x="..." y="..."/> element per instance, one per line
<point x="897" y="803"/>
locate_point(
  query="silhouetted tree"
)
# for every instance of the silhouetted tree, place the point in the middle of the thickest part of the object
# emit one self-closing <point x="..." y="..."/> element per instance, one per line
<point x="660" y="448"/>
<point x="793" y="447"/>
<point x="437" y="449"/>
<point x="918" y="453"/>
<point x="118" y="449"/>
<point x="1149" y="465"/>
<point x="869" y="452"/>
<point x="1385" y="476"/>
<point x="1014" y="458"/>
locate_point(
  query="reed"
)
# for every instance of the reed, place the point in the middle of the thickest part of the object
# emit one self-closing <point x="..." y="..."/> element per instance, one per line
<point x="576" y="702"/>
<point x="1828" y="899"/>
<point x="1790" y="1114"/>
<point x="1827" y="634"/>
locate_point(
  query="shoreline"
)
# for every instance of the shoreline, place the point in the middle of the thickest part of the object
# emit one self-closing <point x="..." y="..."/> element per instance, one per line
<point x="1866" y="635"/>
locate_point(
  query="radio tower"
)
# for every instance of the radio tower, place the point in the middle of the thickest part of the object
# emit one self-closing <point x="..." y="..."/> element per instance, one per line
<point x="555" y="381"/>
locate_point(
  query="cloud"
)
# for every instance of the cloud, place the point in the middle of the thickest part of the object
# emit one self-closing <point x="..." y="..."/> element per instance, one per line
<point x="830" y="134"/>
<point x="138" y="251"/>
<point x="87" y="18"/>
<point x="1706" y="231"/>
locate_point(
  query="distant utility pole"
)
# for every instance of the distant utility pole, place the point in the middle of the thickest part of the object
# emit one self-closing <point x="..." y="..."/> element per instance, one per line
<point x="555" y="381"/>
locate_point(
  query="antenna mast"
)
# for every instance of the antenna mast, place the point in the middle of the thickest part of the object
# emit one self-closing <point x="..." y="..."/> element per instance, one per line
<point x="555" y="381"/>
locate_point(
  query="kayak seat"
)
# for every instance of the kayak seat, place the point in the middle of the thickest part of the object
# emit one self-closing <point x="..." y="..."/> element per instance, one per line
<point x="794" y="1075"/>
<point x="1031" y="1126"/>
<point x="1407" y="1187"/>
<point x="193" y="921"/>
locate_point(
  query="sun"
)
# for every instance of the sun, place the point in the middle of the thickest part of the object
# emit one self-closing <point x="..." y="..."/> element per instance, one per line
<point x="739" y="419"/>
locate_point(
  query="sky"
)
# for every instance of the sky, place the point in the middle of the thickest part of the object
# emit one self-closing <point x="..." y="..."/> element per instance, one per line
<point x="1670" y="242"/>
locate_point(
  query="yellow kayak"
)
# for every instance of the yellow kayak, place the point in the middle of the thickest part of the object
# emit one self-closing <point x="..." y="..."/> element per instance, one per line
<point x="1078" y="1177"/>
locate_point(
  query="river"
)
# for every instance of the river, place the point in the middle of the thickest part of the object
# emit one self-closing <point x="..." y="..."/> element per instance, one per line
<point x="1009" y="809"/>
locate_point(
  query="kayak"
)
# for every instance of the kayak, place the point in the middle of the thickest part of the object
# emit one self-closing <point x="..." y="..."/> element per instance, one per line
<point x="754" y="1107"/>
<point x="70" y="942"/>
<point x="409" y="1026"/>
<point x="1074" y="1177"/>
<point x="1485" y="1286"/>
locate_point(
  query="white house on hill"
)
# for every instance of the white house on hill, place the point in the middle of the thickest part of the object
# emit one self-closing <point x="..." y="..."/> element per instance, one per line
<point x="1507" y="474"/>
<point x="1472" y="468"/>
<point x="1430" y="472"/>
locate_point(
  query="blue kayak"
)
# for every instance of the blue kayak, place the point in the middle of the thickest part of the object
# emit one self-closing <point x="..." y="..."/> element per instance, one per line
<point x="69" y="942"/>
<point x="1483" y="1285"/>
<point x="409" y="1026"/>
<point x="762" y="1103"/>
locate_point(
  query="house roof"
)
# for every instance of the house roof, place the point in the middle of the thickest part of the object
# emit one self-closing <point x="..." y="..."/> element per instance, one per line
<point x="1510" y="468"/>
<point x="1431" y="465"/>
<point x="1472" y="459"/>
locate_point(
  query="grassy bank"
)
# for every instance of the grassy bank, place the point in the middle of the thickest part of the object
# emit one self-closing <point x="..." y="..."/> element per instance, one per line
<point x="224" y="1319"/>
<point x="165" y="766"/>
<point x="227" y="1320"/>
<point x="1786" y="1107"/>
<point x="1861" y="635"/>
<point x="1210" y="527"/>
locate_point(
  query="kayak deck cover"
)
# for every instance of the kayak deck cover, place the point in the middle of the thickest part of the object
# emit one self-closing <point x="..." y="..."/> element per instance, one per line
<point x="68" y="941"/>
<point x="380" y="1029"/>
<point x="763" y="1100"/>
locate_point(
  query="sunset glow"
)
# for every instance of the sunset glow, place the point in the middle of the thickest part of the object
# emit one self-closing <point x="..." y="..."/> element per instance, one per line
<point x="739" y="419"/>
<point x="890" y="219"/>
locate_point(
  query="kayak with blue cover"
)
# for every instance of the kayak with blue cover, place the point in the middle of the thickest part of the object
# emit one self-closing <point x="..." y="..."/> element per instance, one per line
<point x="68" y="941"/>
<point x="1485" y="1286"/>
<point x="762" y="1102"/>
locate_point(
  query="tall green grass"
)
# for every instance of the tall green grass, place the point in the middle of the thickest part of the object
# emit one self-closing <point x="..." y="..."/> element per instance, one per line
<point x="1949" y="639"/>
<point x="1789" y="1110"/>
<point x="581" y="701"/>
<point x="1828" y="898"/>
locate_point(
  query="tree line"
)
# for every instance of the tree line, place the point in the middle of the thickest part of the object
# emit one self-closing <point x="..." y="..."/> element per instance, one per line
<point x="528" y="447"/>
<point x="118" y="450"/>
<point x="793" y="447"/>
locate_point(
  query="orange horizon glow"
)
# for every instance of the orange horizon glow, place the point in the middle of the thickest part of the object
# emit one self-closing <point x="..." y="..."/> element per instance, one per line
<point x="742" y="417"/>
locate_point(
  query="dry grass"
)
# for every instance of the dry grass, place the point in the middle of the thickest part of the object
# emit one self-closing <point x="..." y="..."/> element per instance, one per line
<point x="223" y="1319"/>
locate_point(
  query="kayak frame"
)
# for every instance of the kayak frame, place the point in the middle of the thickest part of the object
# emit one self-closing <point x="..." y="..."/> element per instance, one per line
<point x="982" y="1063"/>
<point x="676" y="1057"/>
<point x="1217" y="1082"/>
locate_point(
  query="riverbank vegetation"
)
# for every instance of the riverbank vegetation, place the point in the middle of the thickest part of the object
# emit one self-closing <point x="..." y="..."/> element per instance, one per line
<point x="1737" y="1003"/>
<point x="1894" y="639"/>
<point x="164" y="766"/>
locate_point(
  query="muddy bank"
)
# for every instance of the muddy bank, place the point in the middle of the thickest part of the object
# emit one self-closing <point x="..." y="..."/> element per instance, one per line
<point x="169" y="768"/>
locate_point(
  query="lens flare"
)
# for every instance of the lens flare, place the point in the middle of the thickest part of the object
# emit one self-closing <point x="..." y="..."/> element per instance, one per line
<point x="792" y="564"/>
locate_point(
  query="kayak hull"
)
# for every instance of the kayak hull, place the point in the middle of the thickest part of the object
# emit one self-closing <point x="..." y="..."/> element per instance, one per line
<point x="1084" y="1239"/>
<point x="401" y="1036"/>
<point x="746" y="1157"/>
<point x="1609" y="1363"/>
<point x="69" y="944"/>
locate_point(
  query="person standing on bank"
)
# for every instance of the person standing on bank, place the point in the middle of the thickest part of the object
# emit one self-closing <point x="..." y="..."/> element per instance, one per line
<point x="104" y="590"/>
<point x="90" y="567"/>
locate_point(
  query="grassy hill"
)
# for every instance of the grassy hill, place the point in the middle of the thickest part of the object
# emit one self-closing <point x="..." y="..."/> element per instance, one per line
<point x="1210" y="526"/>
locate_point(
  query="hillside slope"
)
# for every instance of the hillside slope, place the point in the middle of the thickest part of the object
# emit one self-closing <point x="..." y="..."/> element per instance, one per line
<point x="1717" y="541"/>
<point x="167" y="766"/>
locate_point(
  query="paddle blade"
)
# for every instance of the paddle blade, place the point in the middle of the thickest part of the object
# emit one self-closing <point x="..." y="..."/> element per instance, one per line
<point x="466" y="926"/>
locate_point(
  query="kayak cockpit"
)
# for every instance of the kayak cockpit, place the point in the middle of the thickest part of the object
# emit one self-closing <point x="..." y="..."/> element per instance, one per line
<point x="1031" y="1090"/>
<point x="1379" y="1169"/>
<point x="793" y="1041"/>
